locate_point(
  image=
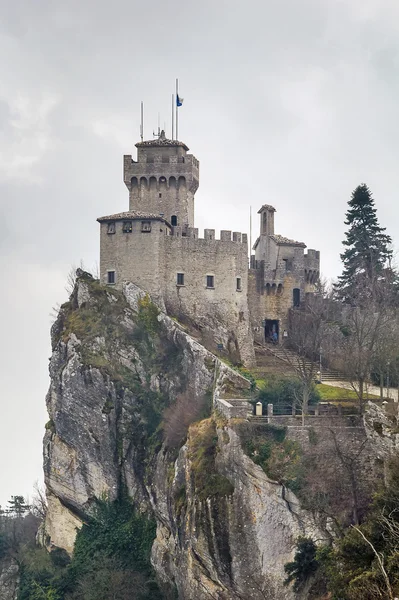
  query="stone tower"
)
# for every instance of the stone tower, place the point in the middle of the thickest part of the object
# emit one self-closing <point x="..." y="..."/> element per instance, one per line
<point x="163" y="181"/>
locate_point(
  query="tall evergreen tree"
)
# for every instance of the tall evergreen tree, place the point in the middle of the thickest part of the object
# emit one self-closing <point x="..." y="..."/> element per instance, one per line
<point x="367" y="256"/>
<point x="17" y="507"/>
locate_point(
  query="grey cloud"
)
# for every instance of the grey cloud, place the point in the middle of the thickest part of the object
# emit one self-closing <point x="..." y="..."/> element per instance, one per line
<point x="286" y="102"/>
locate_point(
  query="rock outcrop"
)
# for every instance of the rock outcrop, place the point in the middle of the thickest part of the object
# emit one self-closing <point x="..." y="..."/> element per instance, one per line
<point x="130" y="410"/>
<point x="9" y="580"/>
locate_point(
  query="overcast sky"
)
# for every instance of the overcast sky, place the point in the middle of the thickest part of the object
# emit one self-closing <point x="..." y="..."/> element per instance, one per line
<point x="286" y="102"/>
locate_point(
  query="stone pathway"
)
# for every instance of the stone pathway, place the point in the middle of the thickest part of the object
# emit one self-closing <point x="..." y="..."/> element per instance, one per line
<point x="372" y="389"/>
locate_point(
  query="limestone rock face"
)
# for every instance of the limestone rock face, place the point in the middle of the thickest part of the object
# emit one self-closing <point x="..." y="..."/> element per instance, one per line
<point x="9" y="580"/>
<point x="120" y="370"/>
<point x="381" y="429"/>
<point x="228" y="547"/>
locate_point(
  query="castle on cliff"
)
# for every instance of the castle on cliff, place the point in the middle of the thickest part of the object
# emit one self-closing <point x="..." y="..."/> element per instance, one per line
<point x="205" y="282"/>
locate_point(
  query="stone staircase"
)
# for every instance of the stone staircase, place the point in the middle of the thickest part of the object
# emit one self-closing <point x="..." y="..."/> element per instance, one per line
<point x="292" y="359"/>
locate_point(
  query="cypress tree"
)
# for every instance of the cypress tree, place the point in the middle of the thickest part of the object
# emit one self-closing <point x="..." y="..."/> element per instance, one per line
<point x="367" y="255"/>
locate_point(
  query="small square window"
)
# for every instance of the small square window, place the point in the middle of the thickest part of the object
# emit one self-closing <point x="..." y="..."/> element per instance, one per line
<point x="180" y="279"/>
<point x="111" y="277"/>
<point x="127" y="227"/>
<point x="111" y="227"/>
<point x="146" y="226"/>
<point x="238" y="284"/>
<point x="210" y="281"/>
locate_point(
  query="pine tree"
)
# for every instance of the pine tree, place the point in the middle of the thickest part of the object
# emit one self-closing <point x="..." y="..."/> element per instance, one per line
<point x="17" y="506"/>
<point x="367" y="257"/>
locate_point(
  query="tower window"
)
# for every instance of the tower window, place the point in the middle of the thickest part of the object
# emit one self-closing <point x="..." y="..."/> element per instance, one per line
<point x="238" y="284"/>
<point x="145" y="226"/>
<point x="173" y="220"/>
<point x="111" y="277"/>
<point x="210" y="281"/>
<point x="127" y="227"/>
<point x="296" y="297"/>
<point x="180" y="279"/>
<point x="111" y="227"/>
<point x="160" y="195"/>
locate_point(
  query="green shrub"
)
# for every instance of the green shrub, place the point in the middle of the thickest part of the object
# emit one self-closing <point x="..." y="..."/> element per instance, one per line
<point x="279" y="457"/>
<point x="111" y="554"/>
<point x="202" y="447"/>
<point x="304" y="565"/>
<point x="282" y="393"/>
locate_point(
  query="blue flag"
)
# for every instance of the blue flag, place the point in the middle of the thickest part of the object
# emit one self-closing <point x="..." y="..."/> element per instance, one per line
<point x="179" y="101"/>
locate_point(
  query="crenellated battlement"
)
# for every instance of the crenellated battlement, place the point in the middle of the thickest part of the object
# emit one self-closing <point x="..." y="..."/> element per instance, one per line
<point x="210" y="235"/>
<point x="159" y="171"/>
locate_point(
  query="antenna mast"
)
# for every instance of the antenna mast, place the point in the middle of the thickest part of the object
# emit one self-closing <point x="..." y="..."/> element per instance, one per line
<point x="250" y="235"/>
<point x="177" y="110"/>
<point x="173" y="116"/>
<point x="142" y="122"/>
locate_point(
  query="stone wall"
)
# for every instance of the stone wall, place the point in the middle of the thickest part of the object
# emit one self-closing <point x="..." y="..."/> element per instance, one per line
<point x="135" y="256"/>
<point x="152" y="261"/>
<point x="233" y="411"/>
<point x="317" y="421"/>
<point x="222" y="309"/>
<point x="271" y="302"/>
<point x="350" y="438"/>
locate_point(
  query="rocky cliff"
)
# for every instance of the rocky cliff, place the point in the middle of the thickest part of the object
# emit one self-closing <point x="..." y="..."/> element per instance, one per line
<point x="130" y="411"/>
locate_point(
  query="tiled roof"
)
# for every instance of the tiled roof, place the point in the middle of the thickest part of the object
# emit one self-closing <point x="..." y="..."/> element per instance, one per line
<point x="132" y="215"/>
<point x="266" y="207"/>
<point x="283" y="241"/>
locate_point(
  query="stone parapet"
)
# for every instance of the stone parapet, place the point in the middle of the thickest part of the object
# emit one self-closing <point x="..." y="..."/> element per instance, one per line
<point x="210" y="235"/>
<point x="167" y="166"/>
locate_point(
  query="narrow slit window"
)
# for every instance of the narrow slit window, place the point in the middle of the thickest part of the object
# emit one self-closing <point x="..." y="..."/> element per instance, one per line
<point x="238" y="283"/>
<point x="111" y="277"/>
<point x="210" y="281"/>
<point x="173" y="220"/>
<point x="111" y="227"/>
<point x="180" y="279"/>
<point x="127" y="227"/>
<point x="296" y="297"/>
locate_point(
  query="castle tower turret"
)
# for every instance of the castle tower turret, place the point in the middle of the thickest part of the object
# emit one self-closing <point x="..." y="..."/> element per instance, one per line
<point x="266" y="213"/>
<point x="163" y="181"/>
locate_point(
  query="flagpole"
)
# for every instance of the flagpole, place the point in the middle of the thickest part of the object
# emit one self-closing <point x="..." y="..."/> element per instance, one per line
<point x="142" y="122"/>
<point x="173" y="116"/>
<point x="177" y="110"/>
<point x="250" y="235"/>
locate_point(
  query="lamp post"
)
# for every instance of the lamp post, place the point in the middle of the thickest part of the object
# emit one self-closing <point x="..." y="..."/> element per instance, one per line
<point x="320" y="352"/>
